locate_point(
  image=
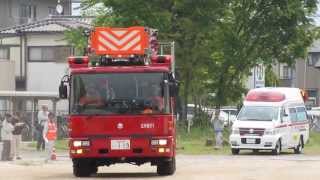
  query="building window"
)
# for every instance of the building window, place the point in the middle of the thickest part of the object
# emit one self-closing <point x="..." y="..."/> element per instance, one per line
<point x="285" y="72"/>
<point x="25" y="11"/>
<point x="49" y="54"/>
<point x="313" y="58"/>
<point x="34" y="12"/>
<point x="53" y="11"/>
<point x="4" y="53"/>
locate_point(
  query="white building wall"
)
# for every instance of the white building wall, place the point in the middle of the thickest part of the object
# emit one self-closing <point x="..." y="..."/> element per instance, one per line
<point x="46" y="76"/>
<point x="7" y="81"/>
<point x="45" y="39"/>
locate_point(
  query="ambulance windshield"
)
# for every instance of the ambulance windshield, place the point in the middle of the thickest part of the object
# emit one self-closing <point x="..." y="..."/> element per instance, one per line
<point x="258" y="113"/>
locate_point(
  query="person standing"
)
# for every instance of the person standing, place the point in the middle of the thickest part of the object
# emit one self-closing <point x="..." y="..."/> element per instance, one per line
<point x="218" y="125"/>
<point x="50" y="135"/>
<point x="6" y="136"/>
<point x="42" y="119"/>
<point x="16" y="136"/>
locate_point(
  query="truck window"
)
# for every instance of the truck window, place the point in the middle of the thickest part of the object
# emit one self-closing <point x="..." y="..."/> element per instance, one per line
<point x="301" y="114"/>
<point x="119" y="93"/>
<point x="293" y="114"/>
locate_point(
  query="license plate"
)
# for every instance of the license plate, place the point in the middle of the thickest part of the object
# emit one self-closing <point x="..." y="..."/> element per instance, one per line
<point x="120" y="144"/>
<point x="251" y="141"/>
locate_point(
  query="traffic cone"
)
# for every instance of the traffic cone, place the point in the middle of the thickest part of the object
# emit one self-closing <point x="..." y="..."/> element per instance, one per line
<point x="53" y="154"/>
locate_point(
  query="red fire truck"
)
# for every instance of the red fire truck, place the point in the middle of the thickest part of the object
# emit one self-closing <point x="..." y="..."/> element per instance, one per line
<point x="121" y="101"/>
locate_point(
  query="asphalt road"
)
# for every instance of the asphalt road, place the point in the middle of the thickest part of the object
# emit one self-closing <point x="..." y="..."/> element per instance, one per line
<point x="242" y="167"/>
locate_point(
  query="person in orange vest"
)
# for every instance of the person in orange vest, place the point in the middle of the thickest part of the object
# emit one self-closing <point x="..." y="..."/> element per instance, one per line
<point x="50" y="135"/>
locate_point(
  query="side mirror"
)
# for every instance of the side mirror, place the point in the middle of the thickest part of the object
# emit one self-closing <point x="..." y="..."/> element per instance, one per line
<point x="63" y="91"/>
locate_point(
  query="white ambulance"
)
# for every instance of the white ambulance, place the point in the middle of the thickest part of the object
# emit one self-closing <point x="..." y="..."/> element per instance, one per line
<point x="271" y="119"/>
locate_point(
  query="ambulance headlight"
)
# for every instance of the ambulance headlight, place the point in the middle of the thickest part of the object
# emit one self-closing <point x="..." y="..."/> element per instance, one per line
<point x="235" y="131"/>
<point x="270" y="132"/>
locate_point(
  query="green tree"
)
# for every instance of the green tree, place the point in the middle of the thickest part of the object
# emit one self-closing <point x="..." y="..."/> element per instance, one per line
<point x="258" y="32"/>
<point x="218" y="42"/>
<point x="189" y="23"/>
<point x="77" y="39"/>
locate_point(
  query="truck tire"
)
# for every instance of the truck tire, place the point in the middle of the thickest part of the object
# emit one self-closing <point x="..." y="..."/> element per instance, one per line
<point x="277" y="149"/>
<point x="299" y="148"/>
<point x="166" y="168"/>
<point x="82" y="168"/>
<point x="235" y="151"/>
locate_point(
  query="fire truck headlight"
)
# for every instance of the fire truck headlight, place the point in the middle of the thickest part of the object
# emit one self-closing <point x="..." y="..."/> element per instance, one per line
<point x="81" y="143"/>
<point x="77" y="143"/>
<point x="161" y="142"/>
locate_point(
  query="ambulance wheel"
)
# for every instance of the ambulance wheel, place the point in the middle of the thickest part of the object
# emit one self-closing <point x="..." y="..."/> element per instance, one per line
<point x="83" y="168"/>
<point x="277" y="149"/>
<point x="299" y="148"/>
<point x="235" y="151"/>
<point x="166" y="168"/>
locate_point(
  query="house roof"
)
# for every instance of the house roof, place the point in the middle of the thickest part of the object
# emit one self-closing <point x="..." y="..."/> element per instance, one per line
<point x="51" y="24"/>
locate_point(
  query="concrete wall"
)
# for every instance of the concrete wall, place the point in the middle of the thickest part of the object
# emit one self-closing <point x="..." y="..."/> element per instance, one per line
<point x="307" y="75"/>
<point x="7" y="77"/>
<point x="46" y="39"/>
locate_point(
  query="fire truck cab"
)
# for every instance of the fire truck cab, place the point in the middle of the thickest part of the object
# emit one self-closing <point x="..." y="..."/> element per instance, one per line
<point x="121" y="102"/>
<point x="271" y="119"/>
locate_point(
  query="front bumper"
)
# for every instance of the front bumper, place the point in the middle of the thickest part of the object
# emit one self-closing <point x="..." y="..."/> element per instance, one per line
<point x="139" y="147"/>
<point x="265" y="142"/>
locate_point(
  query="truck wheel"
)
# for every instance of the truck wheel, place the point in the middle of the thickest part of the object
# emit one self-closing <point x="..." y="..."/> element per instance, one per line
<point x="165" y="168"/>
<point x="83" y="168"/>
<point x="277" y="149"/>
<point x="235" y="151"/>
<point x="299" y="148"/>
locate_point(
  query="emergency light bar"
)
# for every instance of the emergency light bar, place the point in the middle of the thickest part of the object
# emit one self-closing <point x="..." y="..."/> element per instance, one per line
<point x="78" y="61"/>
<point x="264" y="96"/>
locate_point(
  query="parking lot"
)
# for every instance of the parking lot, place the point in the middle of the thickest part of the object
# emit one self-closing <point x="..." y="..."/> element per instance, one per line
<point x="242" y="167"/>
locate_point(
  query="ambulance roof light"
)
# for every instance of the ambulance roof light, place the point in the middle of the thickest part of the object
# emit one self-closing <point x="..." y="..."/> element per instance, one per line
<point x="265" y="96"/>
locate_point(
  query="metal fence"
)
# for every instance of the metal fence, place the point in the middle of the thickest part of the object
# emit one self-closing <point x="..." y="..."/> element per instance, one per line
<point x="31" y="129"/>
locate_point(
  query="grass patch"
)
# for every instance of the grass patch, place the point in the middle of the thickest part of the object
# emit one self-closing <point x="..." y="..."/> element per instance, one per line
<point x="195" y="141"/>
<point x="313" y="146"/>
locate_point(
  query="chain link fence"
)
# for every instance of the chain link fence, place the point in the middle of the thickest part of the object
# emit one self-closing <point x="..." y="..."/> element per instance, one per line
<point x="31" y="129"/>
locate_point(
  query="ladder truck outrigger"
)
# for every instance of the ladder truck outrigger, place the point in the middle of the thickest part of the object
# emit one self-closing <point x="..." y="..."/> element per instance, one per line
<point x="121" y="101"/>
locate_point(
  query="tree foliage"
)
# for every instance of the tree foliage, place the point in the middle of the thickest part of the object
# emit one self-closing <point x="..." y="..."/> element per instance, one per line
<point x="218" y="42"/>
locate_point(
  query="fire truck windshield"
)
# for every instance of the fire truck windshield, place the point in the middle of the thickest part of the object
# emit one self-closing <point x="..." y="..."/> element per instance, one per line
<point x="119" y="93"/>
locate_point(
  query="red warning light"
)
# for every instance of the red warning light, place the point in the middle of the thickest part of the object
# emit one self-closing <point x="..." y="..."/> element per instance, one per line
<point x="265" y="96"/>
